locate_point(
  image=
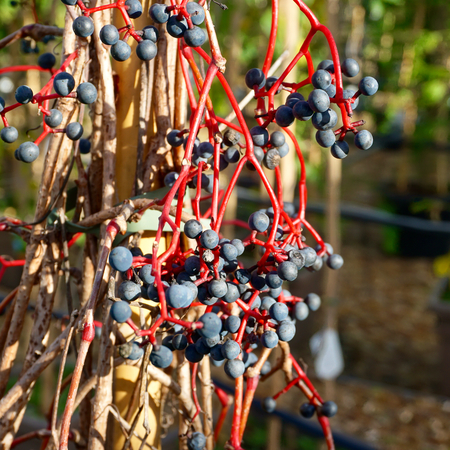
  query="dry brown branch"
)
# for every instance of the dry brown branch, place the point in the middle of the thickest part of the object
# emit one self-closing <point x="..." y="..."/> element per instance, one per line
<point x="103" y="391"/>
<point x="33" y="372"/>
<point x="139" y="203"/>
<point x="36" y="31"/>
<point x="207" y="406"/>
<point x="161" y="109"/>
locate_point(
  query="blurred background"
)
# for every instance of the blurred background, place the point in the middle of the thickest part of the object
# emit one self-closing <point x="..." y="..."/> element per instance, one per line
<point x="386" y="210"/>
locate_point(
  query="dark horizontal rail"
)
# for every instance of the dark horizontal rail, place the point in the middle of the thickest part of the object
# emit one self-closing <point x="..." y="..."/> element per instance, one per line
<point x="364" y="214"/>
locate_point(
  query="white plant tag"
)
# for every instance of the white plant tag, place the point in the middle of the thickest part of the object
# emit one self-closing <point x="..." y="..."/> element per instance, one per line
<point x="326" y="350"/>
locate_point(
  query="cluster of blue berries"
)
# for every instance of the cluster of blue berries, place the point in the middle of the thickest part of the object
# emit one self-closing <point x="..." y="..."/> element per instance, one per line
<point x="177" y="25"/>
<point x="317" y="106"/>
<point x="213" y="276"/>
<point x="63" y="85"/>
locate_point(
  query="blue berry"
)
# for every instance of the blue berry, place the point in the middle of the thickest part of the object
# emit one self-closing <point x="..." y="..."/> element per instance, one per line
<point x="335" y="261"/>
<point x="287" y="271"/>
<point x="209" y="239"/>
<point x="109" y="34"/>
<point x="9" y="134"/>
<point x="158" y="13"/>
<point x="120" y="51"/>
<point x="229" y="252"/>
<point x="255" y="78"/>
<point x="363" y="139"/>
<point x="326" y="64"/>
<point x="74" y="131"/>
<point x="301" y="311"/>
<point x="173" y="139"/>
<point x="178" y="296"/>
<point x="84" y="146"/>
<point x="54" y="119"/>
<point x="150" y="33"/>
<point x="2" y="104"/>
<point x="134" y="8"/>
<point x="217" y="288"/>
<point x="350" y="68"/>
<point x="167" y="342"/>
<point x="269" y="339"/>
<point x="234" y="368"/>
<point x="340" y="149"/>
<point x="120" y="311"/>
<point x="205" y="150"/>
<point x="129" y="291"/>
<point x="279" y="311"/>
<point x="211" y="325"/>
<point x="63" y="84"/>
<point x="231" y="349"/>
<point x="194" y="37"/>
<point x="161" y="358"/>
<point x="83" y="26"/>
<point x="192" y="265"/>
<point x="270" y="82"/>
<point x="328" y="409"/>
<point x="86" y="93"/>
<point x="232" y="324"/>
<point x="192" y="355"/>
<point x="273" y="281"/>
<point x="232" y="293"/>
<point x="243" y="276"/>
<point x="259" y="221"/>
<point x="284" y="116"/>
<point x="277" y="139"/>
<point x="239" y="246"/>
<point x="23" y="94"/>
<point x="196" y="12"/>
<point x="146" y="50"/>
<point x="286" y="331"/>
<point x="283" y="150"/>
<point x="331" y="90"/>
<point x="297" y="257"/>
<point x="145" y="274"/>
<point x="232" y="155"/>
<point x="27" y="152"/>
<point x="269" y="404"/>
<point x="69" y="2"/>
<point x="176" y="28"/>
<point x="197" y="441"/>
<point x="313" y="301"/>
<point x="171" y="178"/>
<point x="258" y="281"/>
<point x="307" y="410"/>
<point x="368" y="86"/>
<point x="193" y="229"/>
<point x="325" y="120"/>
<point x="179" y="342"/>
<point x="325" y="138"/>
<point x="318" y="100"/>
<point x="46" y="60"/>
<point x="201" y="347"/>
<point x="120" y="259"/>
<point x="136" y="352"/>
<point x="260" y="136"/>
<point x="302" y="111"/>
<point x="321" y="79"/>
<point x="293" y="98"/>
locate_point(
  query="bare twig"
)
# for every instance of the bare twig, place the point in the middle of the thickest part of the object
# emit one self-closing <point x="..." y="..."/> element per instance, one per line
<point x="35" y="31"/>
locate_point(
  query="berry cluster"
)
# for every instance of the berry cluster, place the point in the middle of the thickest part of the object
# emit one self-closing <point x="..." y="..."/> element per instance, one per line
<point x="63" y="84"/>
<point x="317" y="106"/>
